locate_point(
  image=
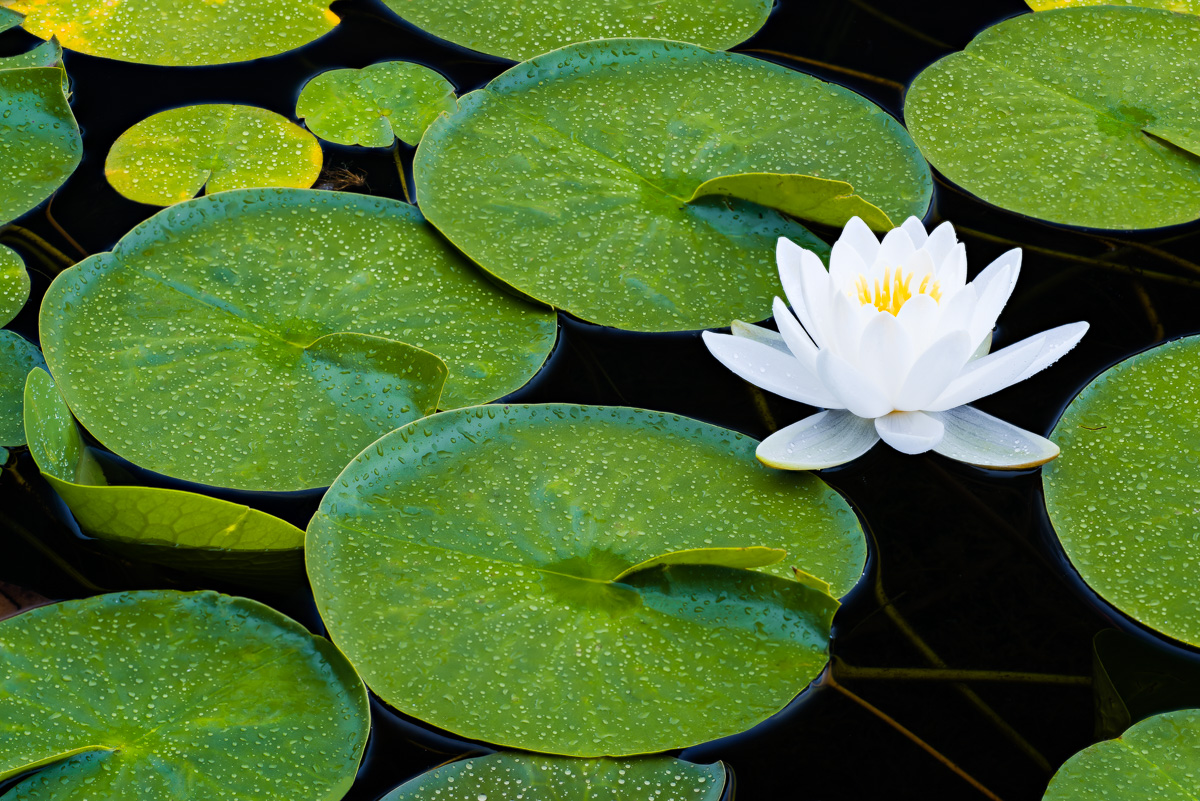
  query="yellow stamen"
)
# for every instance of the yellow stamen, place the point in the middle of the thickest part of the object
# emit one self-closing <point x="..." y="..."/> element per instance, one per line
<point x="895" y="291"/>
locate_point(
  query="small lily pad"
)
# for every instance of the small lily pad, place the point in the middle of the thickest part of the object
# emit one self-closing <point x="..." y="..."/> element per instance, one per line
<point x="159" y="694"/>
<point x="178" y="33"/>
<point x="258" y="339"/>
<point x="40" y="144"/>
<point x="516" y="777"/>
<point x="17" y="357"/>
<point x="523" y="30"/>
<point x="493" y="547"/>
<point x="1124" y="496"/>
<point x="805" y="197"/>
<point x="14" y="285"/>
<point x="1082" y="116"/>
<point x="568" y="177"/>
<point x="376" y="105"/>
<point x="171" y="156"/>
<point x="1158" y="758"/>
<point x="180" y="529"/>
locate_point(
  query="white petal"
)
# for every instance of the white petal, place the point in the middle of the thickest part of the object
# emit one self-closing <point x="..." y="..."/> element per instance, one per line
<point x="920" y="265"/>
<point x="787" y="258"/>
<point x="896" y="249"/>
<point x="766" y="367"/>
<point x="984" y="348"/>
<point x="941" y="242"/>
<point x="989" y="374"/>
<point x="793" y="335"/>
<point x="764" y="335"/>
<point x="933" y="371"/>
<point x="886" y="352"/>
<point x="957" y="312"/>
<point x="952" y="269"/>
<point x="825" y="439"/>
<point x="916" y="232"/>
<point x="846" y="264"/>
<point x="859" y="236"/>
<point x="1058" y="342"/>
<point x="854" y="391"/>
<point x="816" y="288"/>
<point x="980" y="439"/>
<point x="992" y="298"/>
<point x="919" y="317"/>
<point x="910" y="432"/>
<point x="847" y="320"/>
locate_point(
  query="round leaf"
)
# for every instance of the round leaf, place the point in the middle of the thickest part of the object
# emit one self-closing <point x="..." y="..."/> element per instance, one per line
<point x="172" y="155"/>
<point x="526" y="29"/>
<point x="568" y="177"/>
<point x="376" y="105"/>
<point x="178" y="33"/>
<point x="1158" y="758"/>
<point x="258" y="339"/>
<point x="1125" y="493"/>
<point x="184" y="530"/>
<point x="40" y="144"/>
<point x="14" y="285"/>
<point x="486" y="544"/>
<point x="158" y="694"/>
<point x="1081" y="116"/>
<point x="513" y="777"/>
<point x="17" y="357"/>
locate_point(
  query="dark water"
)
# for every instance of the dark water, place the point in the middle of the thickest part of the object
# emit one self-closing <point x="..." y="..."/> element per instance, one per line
<point x="964" y="573"/>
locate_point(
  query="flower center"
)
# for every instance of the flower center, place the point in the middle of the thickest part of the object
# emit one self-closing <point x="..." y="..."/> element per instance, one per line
<point x="895" y="291"/>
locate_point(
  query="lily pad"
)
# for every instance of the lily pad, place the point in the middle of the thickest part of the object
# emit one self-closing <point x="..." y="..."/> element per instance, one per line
<point x="1081" y="116"/>
<point x="47" y="54"/>
<point x="17" y="357"/>
<point x="178" y="33"/>
<point x="14" y="285"/>
<point x="258" y="339"/>
<point x="376" y="105"/>
<point x="40" y="144"/>
<point x="1158" y="758"/>
<point x="492" y="547"/>
<point x="523" y="30"/>
<point x="1179" y="6"/>
<point x="172" y="155"/>
<point x="804" y="197"/>
<point x="1124" y="496"/>
<point x="170" y="695"/>
<point x="568" y="177"/>
<point x="521" y="777"/>
<point x="180" y="529"/>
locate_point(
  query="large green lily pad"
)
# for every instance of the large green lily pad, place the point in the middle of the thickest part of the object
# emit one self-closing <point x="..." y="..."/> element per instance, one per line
<point x="40" y="144"/>
<point x="175" y="696"/>
<point x="1158" y="759"/>
<point x="180" y="529"/>
<point x="1180" y="6"/>
<point x="569" y="176"/>
<point x="1083" y="116"/>
<point x="1125" y="493"/>
<point x="258" y="339"/>
<point x="14" y="285"/>
<point x="178" y="33"/>
<point x="17" y="357"/>
<point x="523" y="30"/>
<point x="523" y="777"/>
<point x="475" y="568"/>
<point x="174" y="154"/>
<point x="376" y="105"/>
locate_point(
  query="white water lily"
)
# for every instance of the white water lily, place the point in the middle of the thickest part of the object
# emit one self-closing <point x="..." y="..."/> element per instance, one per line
<point x="893" y="343"/>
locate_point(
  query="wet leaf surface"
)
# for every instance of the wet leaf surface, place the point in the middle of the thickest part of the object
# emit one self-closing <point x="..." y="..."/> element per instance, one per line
<point x="487" y="544"/>
<point x="816" y="200"/>
<point x="1178" y="6"/>
<point x="14" y="285"/>
<point x="17" y="357"/>
<point x="40" y="144"/>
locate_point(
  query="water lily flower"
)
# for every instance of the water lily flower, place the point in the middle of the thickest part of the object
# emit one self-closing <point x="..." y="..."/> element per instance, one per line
<point x="893" y="343"/>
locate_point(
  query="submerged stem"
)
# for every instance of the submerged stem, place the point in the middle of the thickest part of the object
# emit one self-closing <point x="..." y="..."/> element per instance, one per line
<point x="52" y="257"/>
<point x="400" y="169"/>
<point x="63" y="231"/>
<point x="900" y="26"/>
<point x="1151" y="313"/>
<point x="848" y="671"/>
<point x="866" y="76"/>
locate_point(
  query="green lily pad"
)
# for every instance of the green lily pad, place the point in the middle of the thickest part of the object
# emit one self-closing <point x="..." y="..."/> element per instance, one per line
<point x="14" y="285"/>
<point x="523" y="30"/>
<point x="376" y="105"/>
<point x="258" y="339"/>
<point x="171" y="695"/>
<point x="816" y="200"/>
<point x="523" y="777"/>
<point x="568" y="177"/>
<point x="17" y="357"/>
<point x="1158" y="758"/>
<point x="47" y="54"/>
<point x="1124" y="496"/>
<point x="171" y="156"/>
<point x="178" y="33"/>
<point x="1080" y="116"/>
<point x="180" y="529"/>
<point x="1179" y="6"/>
<point x="40" y="144"/>
<point x="492" y="546"/>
